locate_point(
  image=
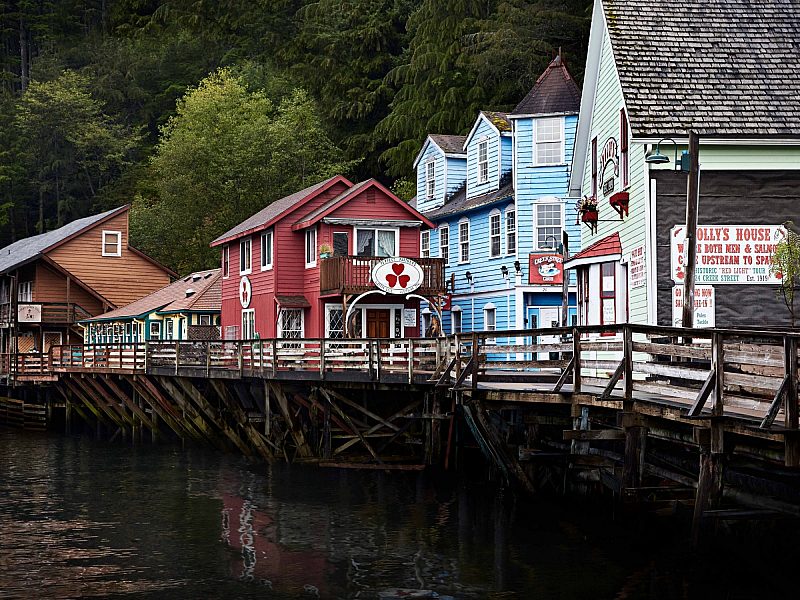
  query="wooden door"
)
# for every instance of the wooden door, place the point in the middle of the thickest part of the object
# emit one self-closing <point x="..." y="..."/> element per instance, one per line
<point x="378" y="323"/>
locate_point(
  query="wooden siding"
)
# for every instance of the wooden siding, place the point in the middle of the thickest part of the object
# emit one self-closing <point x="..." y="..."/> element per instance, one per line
<point x="51" y="286"/>
<point x="120" y="279"/>
<point x="432" y="153"/>
<point x="484" y="131"/>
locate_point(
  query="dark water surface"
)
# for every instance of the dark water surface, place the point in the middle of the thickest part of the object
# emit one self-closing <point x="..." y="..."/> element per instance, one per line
<point x="80" y="518"/>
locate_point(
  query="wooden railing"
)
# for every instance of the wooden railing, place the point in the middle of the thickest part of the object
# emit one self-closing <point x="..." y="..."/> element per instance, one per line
<point x="52" y="312"/>
<point x="353" y="274"/>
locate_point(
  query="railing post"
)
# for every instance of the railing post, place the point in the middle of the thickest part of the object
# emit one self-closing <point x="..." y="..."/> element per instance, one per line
<point x="576" y="353"/>
<point x="475" y="355"/>
<point x="120" y="355"/>
<point x="177" y="356"/>
<point x="791" y="408"/>
<point x="322" y="358"/>
<point x="146" y="354"/>
<point x="377" y="360"/>
<point x="718" y="364"/>
<point x="208" y="358"/>
<point x="240" y="350"/>
<point x="627" y="349"/>
<point x="410" y="360"/>
<point x="261" y="358"/>
<point x="274" y="357"/>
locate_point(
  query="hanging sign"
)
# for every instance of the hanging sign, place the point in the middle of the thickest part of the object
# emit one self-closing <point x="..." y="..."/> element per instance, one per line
<point x="609" y="154"/>
<point x="704" y="306"/>
<point x="245" y="291"/>
<point x="546" y="268"/>
<point x="397" y="275"/>
<point x="29" y="313"/>
<point x="409" y="317"/>
<point x="637" y="268"/>
<point x="728" y="254"/>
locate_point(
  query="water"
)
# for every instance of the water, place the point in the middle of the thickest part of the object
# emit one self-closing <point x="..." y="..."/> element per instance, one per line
<point x="80" y="518"/>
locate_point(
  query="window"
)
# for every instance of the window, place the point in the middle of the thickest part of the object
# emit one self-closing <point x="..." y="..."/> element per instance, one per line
<point x="623" y="147"/>
<point x="455" y="315"/>
<point x="311" y="247"/>
<point x="583" y="295"/>
<point x="112" y="243"/>
<point x="444" y="244"/>
<point x="291" y="323"/>
<point x="549" y="146"/>
<point x="430" y="179"/>
<point x="341" y="243"/>
<point x="249" y="324"/>
<point x="490" y="318"/>
<point x="5" y="296"/>
<point x="377" y="242"/>
<point x="511" y="230"/>
<point x="155" y="330"/>
<point x="245" y="256"/>
<point x="128" y="332"/>
<point x="494" y="234"/>
<point x="266" y="249"/>
<point x="463" y="241"/>
<point x="334" y="321"/>
<point x="226" y="261"/>
<point x="483" y="162"/>
<point x="548" y="226"/>
<point x="594" y="167"/>
<point x="425" y="244"/>
<point x="204" y="320"/>
<point x="170" y="331"/>
<point x="25" y="291"/>
<point x="608" y="308"/>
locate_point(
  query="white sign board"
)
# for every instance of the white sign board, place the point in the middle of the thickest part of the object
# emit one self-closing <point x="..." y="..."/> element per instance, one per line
<point x="728" y="254"/>
<point x="29" y="313"/>
<point x="397" y="275"/>
<point x="637" y="272"/>
<point x="704" y="306"/>
<point x="409" y="317"/>
<point x="245" y="291"/>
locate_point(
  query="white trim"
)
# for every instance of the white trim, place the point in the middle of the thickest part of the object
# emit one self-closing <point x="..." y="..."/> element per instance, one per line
<point x="472" y="131"/>
<point x="537" y="115"/>
<point x="302" y="322"/>
<point x="367" y="223"/>
<point x="457" y="309"/>
<point x="422" y="250"/>
<point x="591" y="260"/>
<point x="226" y="258"/>
<point x="721" y="141"/>
<point x="248" y="311"/>
<point x="650" y="247"/>
<point x="469" y="233"/>
<point x="495" y="212"/>
<point x="511" y="208"/>
<point x="313" y="261"/>
<point x="480" y="179"/>
<point x="329" y="306"/>
<point x="104" y="243"/>
<point x="249" y="269"/>
<point x="430" y="169"/>
<point x="271" y="233"/>
<point x="535" y="155"/>
<point x="535" y="204"/>
<point x="376" y="229"/>
<point x="443" y="227"/>
<point x="429" y="140"/>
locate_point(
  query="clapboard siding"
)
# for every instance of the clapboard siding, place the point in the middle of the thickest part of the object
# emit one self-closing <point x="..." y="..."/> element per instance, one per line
<point x="51" y="286"/>
<point x="483" y="132"/>
<point x="121" y="279"/>
<point x="432" y="153"/>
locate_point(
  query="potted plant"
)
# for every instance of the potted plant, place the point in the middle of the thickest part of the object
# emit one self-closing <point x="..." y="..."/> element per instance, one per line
<point x="587" y="208"/>
<point x="325" y="250"/>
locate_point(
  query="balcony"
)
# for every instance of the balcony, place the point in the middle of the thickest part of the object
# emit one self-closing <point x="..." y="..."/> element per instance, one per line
<point x="352" y="275"/>
<point x="54" y="313"/>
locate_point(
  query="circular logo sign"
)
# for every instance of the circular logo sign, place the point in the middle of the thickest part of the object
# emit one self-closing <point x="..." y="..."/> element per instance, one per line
<point x="397" y="275"/>
<point x="245" y="292"/>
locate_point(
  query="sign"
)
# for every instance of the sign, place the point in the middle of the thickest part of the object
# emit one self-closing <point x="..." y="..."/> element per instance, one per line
<point x="728" y="254"/>
<point x="704" y="306"/>
<point x="29" y="313"/>
<point x="546" y="268"/>
<point x="608" y="186"/>
<point x="409" y="317"/>
<point x="609" y="154"/>
<point x="245" y="291"/>
<point x="397" y="275"/>
<point x="637" y="273"/>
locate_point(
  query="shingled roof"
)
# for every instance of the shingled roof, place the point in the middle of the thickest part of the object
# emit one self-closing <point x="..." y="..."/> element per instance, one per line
<point x="450" y="144"/>
<point x="555" y="92"/>
<point x="459" y="203"/>
<point x="726" y="68"/>
<point x="498" y="119"/>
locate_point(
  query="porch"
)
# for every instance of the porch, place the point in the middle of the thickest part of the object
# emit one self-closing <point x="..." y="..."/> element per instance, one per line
<point x="347" y="275"/>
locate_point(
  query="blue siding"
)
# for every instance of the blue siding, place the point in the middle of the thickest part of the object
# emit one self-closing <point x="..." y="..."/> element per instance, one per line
<point x="484" y="132"/>
<point x="430" y="153"/>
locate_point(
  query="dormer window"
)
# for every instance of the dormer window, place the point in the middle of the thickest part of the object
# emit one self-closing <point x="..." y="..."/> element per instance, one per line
<point x="112" y="243"/>
<point x="483" y="161"/>
<point x="430" y="179"/>
<point x="549" y="141"/>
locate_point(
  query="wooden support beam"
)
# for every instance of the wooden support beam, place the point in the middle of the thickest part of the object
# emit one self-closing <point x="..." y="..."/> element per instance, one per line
<point x="166" y="413"/>
<point x="363" y="410"/>
<point x="98" y="381"/>
<point x="193" y="422"/>
<point x="99" y="402"/>
<point x="351" y="425"/>
<point x="704" y="394"/>
<point x="404" y="411"/>
<point x="593" y="434"/>
<point x="775" y="406"/>
<point x="792" y="406"/>
<point x="613" y="381"/>
<point x="232" y="403"/>
<point x="303" y="448"/>
<point x="634" y="460"/>
<point x="564" y="376"/>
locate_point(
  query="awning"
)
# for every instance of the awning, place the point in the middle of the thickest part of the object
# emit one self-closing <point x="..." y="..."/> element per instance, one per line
<point x="292" y="301"/>
<point x="607" y="249"/>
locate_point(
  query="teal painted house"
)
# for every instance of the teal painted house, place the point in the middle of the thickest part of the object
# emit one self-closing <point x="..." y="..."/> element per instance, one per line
<point x="500" y="206"/>
<point x="188" y="309"/>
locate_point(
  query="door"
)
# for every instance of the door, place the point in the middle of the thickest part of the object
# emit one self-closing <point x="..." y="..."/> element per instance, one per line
<point x="549" y="317"/>
<point x="378" y="321"/>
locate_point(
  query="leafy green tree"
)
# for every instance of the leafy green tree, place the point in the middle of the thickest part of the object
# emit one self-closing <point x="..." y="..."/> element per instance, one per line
<point x="786" y="266"/>
<point x="226" y="154"/>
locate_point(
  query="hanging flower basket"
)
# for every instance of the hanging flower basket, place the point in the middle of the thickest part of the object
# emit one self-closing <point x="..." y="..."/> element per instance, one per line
<point x="589" y="216"/>
<point x="619" y="202"/>
<point x="587" y="208"/>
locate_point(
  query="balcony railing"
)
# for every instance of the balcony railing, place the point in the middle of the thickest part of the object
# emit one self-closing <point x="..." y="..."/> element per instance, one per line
<point x="353" y="275"/>
<point x="45" y="312"/>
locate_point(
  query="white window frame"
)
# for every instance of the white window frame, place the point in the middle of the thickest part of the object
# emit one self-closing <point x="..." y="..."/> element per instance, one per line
<point x="463" y="244"/>
<point x="425" y="244"/>
<point x="302" y="322"/>
<point x="25" y="291"/>
<point x="311" y="247"/>
<point x="511" y="249"/>
<point x="118" y="243"/>
<point x="537" y="141"/>
<point x="444" y="243"/>
<point x="456" y="310"/>
<point x="201" y="318"/>
<point x="267" y="249"/>
<point x="430" y="179"/>
<point x="375" y="230"/>
<point x="246" y="252"/>
<point x="490" y="308"/>
<point x="498" y="218"/>
<point x="536" y="226"/>
<point x="249" y="319"/>
<point x="328" y="309"/>
<point x="483" y="162"/>
<point x="226" y="261"/>
<point x="169" y="330"/>
<point x="157" y="335"/>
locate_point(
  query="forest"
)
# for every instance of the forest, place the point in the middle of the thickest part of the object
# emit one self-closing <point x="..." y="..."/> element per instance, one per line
<point x="200" y="112"/>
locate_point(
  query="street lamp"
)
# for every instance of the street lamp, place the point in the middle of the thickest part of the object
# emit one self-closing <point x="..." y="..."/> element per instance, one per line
<point x="556" y="247"/>
<point x="471" y="282"/>
<point x="504" y="273"/>
<point x="656" y="158"/>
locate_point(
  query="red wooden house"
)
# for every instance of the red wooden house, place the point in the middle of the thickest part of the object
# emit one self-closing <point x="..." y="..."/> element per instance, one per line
<point x="302" y="267"/>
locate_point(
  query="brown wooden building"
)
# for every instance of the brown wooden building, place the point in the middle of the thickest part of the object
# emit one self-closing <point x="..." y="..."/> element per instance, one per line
<point x="51" y="281"/>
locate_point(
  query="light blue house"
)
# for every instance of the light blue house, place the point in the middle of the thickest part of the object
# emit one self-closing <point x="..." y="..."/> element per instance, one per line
<point x="500" y="205"/>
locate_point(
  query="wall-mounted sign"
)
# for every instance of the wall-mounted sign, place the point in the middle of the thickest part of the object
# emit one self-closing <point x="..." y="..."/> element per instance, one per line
<point x="245" y="291"/>
<point x="29" y="313"/>
<point x="608" y="186"/>
<point x="637" y="273"/>
<point x="728" y="254"/>
<point x="409" y="317"/>
<point x="546" y="269"/>
<point x="704" y="306"/>
<point x="397" y="275"/>
<point x="609" y="154"/>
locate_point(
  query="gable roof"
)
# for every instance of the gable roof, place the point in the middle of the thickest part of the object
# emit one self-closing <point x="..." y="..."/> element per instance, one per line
<point x="28" y="249"/>
<point x="607" y="248"/>
<point x="725" y="68"/>
<point x="273" y="211"/>
<point x="496" y="120"/>
<point x="207" y="296"/>
<point x="460" y="204"/>
<point x="555" y="92"/>
<point x="334" y="203"/>
<point x="450" y="145"/>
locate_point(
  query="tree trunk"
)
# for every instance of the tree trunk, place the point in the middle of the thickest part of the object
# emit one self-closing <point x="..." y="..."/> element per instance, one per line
<point x="41" y="210"/>
<point x="23" y="55"/>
